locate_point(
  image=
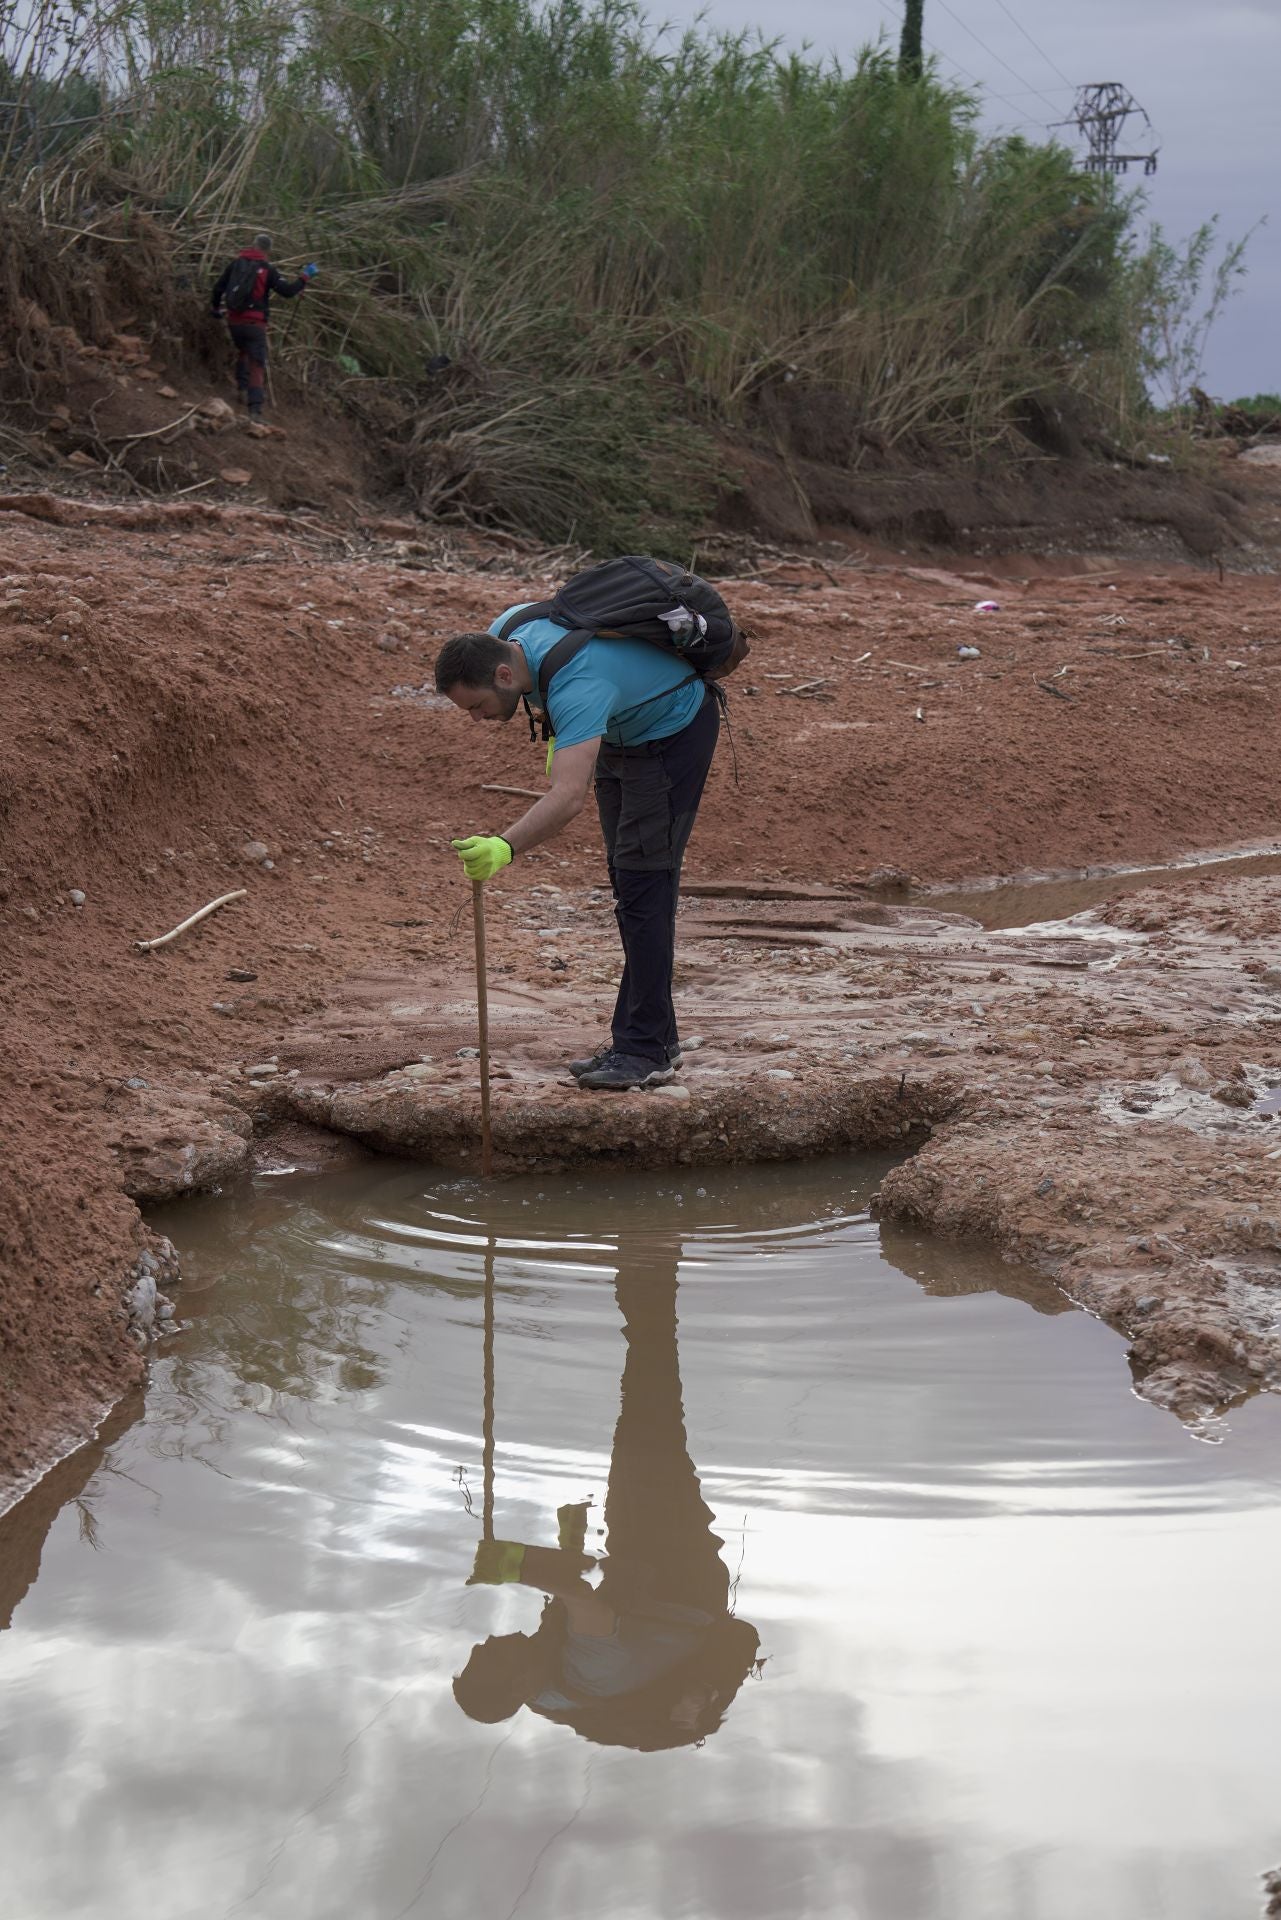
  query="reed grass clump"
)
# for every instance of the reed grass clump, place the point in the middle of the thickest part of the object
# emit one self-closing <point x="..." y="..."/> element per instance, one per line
<point x="624" y="241"/>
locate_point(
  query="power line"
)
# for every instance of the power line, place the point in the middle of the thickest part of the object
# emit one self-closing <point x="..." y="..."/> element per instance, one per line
<point x="1032" y="43"/>
<point x="993" y="55"/>
<point x="985" y="89"/>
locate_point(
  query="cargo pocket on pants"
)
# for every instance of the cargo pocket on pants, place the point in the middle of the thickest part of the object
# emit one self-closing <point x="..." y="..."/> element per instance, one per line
<point x="644" y="840"/>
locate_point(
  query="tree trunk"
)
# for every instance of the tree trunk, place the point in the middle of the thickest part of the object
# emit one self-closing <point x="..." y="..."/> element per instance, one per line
<point x="909" y="46"/>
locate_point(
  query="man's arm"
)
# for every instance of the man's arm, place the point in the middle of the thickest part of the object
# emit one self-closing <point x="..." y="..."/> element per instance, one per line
<point x="287" y="289"/>
<point x="573" y="770"/>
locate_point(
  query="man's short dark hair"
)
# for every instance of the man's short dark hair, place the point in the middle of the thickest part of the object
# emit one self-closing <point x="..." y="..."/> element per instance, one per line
<point x="470" y="660"/>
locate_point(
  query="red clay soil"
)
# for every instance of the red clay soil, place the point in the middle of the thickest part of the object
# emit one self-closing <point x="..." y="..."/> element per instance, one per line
<point x="200" y="699"/>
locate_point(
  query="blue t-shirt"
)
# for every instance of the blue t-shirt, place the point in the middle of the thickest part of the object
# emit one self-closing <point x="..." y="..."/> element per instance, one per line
<point x="622" y="690"/>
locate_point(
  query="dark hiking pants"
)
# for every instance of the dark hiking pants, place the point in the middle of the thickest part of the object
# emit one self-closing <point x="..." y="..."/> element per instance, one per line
<point x="250" y="341"/>
<point x="647" y="798"/>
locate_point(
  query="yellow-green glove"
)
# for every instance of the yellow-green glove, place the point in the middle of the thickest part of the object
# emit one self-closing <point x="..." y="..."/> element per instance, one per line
<point x="497" y="1562"/>
<point x="482" y="855"/>
<point x="551" y="754"/>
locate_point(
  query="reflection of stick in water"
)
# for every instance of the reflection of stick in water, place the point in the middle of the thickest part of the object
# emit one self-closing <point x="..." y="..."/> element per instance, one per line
<point x="652" y="1657"/>
<point x="487" y="1423"/>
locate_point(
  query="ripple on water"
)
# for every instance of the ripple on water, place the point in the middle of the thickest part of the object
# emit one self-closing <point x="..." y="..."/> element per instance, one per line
<point x="1007" y="1611"/>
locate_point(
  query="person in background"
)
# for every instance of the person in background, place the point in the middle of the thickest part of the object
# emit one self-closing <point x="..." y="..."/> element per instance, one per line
<point x="242" y="296"/>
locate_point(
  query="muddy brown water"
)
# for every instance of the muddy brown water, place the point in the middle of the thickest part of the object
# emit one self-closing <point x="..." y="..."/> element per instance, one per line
<point x="639" y="1547"/>
<point x="1021" y="903"/>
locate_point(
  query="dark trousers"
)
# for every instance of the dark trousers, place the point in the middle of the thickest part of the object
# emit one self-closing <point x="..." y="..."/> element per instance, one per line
<point x="250" y="341"/>
<point x="647" y="798"/>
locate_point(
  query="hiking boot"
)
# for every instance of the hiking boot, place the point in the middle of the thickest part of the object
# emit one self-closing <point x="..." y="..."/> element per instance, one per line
<point x="620" y="1072"/>
<point x="578" y="1068"/>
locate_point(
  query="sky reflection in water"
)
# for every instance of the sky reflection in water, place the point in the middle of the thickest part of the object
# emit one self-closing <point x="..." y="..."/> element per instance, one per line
<point x="807" y="1577"/>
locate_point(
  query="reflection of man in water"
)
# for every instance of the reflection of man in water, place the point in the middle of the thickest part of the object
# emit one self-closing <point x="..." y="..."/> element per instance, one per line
<point x="652" y="1657"/>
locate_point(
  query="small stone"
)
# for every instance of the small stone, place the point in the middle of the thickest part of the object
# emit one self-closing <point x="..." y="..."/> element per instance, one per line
<point x="388" y="643"/>
<point x="779" y="1073"/>
<point x="76" y="897"/>
<point x="235" y="476"/>
<point x="164" y="1311"/>
<point x="1046" y="1186"/>
<point x="421" y="1070"/>
<point x="241" y="973"/>
<point x="262" y="1070"/>
<point x="217" y="414"/>
<point x="253" y="850"/>
<point x="167" y="393"/>
<point x="467" y="1053"/>
<point x="136" y="1082"/>
<point x="694" y="1042"/>
<point x="1270" y="977"/>
<point x="672" y="1092"/>
<point x="1148" y="1303"/>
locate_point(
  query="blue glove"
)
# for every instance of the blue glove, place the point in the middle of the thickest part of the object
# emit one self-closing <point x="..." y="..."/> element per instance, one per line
<point x="310" y="271"/>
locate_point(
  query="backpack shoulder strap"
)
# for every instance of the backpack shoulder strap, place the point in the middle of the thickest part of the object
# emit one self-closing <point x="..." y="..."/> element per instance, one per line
<point x="558" y="656"/>
<point x="540" y="610"/>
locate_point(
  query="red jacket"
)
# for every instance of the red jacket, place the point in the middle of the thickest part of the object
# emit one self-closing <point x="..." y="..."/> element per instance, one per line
<point x="268" y="280"/>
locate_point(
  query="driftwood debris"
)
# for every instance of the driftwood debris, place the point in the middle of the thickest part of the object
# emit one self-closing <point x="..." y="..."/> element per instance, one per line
<point x="149" y="946"/>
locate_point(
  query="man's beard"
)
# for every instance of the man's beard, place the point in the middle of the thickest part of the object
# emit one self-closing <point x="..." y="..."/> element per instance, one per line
<point x="508" y="701"/>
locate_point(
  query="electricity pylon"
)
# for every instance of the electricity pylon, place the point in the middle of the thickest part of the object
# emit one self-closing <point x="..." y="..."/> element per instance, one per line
<point x="1099" y="115"/>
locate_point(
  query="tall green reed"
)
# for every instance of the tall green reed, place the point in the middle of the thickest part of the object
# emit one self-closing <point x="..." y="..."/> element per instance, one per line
<point x="626" y="241"/>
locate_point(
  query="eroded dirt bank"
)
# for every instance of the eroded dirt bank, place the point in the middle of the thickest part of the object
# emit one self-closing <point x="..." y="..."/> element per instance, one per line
<point x="201" y="701"/>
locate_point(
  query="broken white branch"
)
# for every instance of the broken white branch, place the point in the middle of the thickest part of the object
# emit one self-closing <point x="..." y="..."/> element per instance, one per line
<point x="149" y="946"/>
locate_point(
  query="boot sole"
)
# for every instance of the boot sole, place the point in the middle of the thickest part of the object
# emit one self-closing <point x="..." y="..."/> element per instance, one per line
<point x="580" y="1071"/>
<point x="660" y="1077"/>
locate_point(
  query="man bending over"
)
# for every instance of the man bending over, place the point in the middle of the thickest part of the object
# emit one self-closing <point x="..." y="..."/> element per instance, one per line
<point x="641" y="727"/>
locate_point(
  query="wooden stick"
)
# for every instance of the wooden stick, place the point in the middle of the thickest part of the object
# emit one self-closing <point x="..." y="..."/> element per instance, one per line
<point x="482" y="1017"/>
<point x="522" y="793"/>
<point x="149" y="946"/>
<point x="152" y="433"/>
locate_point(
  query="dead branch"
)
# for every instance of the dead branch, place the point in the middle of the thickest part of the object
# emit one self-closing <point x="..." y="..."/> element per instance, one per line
<point x="149" y="946"/>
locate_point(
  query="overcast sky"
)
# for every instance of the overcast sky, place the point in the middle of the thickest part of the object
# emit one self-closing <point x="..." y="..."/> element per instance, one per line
<point x="1207" y="72"/>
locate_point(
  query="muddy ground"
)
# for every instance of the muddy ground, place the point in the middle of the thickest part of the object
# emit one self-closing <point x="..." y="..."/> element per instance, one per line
<point x="203" y="698"/>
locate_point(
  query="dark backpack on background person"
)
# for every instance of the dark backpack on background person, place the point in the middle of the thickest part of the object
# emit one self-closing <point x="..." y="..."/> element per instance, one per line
<point x="627" y="599"/>
<point x="246" y="285"/>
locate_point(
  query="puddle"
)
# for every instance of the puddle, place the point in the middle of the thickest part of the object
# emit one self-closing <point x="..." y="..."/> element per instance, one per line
<point x="788" y="1571"/>
<point x="1013" y="903"/>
